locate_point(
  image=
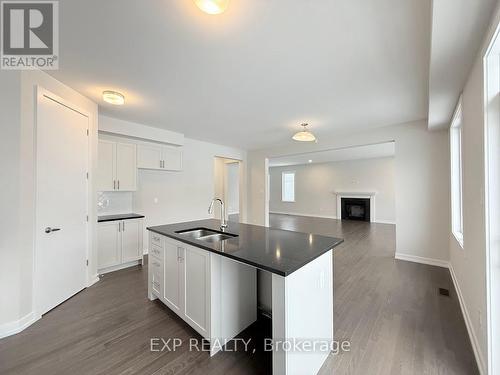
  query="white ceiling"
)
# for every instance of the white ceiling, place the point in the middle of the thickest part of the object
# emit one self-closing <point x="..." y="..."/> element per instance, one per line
<point x="458" y="27"/>
<point x="250" y="76"/>
<point x="380" y="150"/>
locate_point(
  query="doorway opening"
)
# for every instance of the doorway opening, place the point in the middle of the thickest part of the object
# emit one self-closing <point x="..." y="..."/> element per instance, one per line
<point x="227" y="179"/>
<point x="349" y="183"/>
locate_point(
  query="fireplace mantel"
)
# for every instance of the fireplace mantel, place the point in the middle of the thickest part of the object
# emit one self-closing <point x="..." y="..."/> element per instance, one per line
<point x="356" y="194"/>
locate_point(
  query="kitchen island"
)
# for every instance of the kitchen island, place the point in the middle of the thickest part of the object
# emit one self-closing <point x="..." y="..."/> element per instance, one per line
<point x="208" y="277"/>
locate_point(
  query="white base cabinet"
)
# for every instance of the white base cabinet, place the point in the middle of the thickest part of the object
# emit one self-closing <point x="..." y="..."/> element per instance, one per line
<point x="216" y="296"/>
<point x="119" y="244"/>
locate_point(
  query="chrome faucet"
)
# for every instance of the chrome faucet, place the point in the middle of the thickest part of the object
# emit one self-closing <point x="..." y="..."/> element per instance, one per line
<point x="223" y="222"/>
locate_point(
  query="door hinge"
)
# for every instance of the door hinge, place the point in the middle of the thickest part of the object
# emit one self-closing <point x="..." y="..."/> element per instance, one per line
<point x="87" y="262"/>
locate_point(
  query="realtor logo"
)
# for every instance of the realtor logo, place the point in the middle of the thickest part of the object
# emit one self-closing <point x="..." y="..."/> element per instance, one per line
<point x="29" y="35"/>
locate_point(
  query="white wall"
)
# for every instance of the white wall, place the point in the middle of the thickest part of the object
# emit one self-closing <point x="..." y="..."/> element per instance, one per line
<point x="10" y="143"/>
<point x="421" y="176"/>
<point x="468" y="265"/>
<point x="315" y="185"/>
<point x="18" y="97"/>
<point x="114" y="202"/>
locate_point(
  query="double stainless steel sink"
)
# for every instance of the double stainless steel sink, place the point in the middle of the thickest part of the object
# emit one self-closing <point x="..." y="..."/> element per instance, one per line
<point x="205" y="234"/>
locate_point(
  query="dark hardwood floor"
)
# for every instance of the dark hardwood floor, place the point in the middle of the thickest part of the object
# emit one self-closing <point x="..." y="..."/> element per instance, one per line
<point x="389" y="310"/>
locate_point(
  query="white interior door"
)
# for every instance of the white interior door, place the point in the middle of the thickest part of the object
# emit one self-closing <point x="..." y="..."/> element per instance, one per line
<point x="126" y="167"/>
<point x="61" y="202"/>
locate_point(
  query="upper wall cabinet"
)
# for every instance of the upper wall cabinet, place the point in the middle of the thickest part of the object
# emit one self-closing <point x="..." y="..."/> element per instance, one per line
<point x="155" y="156"/>
<point x="117" y="166"/>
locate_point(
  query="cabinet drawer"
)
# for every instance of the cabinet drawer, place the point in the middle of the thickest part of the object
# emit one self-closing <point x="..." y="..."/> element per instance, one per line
<point x="157" y="239"/>
<point x="156" y="251"/>
<point x="156" y="269"/>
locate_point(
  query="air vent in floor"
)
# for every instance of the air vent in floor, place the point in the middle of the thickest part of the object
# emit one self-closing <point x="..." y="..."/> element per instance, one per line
<point x="444" y="292"/>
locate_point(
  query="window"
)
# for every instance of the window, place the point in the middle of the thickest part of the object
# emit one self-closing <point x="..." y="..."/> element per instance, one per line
<point x="288" y="186"/>
<point x="456" y="174"/>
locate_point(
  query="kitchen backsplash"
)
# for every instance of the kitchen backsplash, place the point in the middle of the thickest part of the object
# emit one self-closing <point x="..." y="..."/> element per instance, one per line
<point x="110" y="203"/>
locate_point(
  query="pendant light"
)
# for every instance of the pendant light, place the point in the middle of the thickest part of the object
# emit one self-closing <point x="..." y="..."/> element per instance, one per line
<point x="304" y="135"/>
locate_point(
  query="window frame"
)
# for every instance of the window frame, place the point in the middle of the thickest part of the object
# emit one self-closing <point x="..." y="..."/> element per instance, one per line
<point x="456" y="167"/>
<point x="283" y="173"/>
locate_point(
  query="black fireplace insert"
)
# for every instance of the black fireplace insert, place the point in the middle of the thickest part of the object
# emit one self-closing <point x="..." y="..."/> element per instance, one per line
<point x="356" y="209"/>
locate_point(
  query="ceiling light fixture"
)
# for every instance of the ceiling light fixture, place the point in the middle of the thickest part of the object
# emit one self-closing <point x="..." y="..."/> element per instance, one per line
<point x="113" y="97"/>
<point x="304" y="135"/>
<point x="212" y="6"/>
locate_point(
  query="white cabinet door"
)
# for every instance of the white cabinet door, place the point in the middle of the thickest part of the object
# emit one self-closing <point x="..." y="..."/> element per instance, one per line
<point x="108" y="244"/>
<point x="172" y="277"/>
<point x="126" y="167"/>
<point x="172" y="159"/>
<point x="105" y="166"/>
<point x="149" y="156"/>
<point x="156" y="276"/>
<point x="196" y="288"/>
<point x="131" y="243"/>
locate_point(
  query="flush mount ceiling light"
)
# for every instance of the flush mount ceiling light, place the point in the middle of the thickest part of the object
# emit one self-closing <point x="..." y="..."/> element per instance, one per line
<point x="113" y="97"/>
<point x="212" y="6"/>
<point x="304" y="135"/>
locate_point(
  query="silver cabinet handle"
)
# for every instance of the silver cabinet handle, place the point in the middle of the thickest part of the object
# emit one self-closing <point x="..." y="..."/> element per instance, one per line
<point x="118" y="184"/>
<point x="114" y="184"/>
<point x="123" y="226"/>
<point x="179" y="254"/>
<point x="50" y="230"/>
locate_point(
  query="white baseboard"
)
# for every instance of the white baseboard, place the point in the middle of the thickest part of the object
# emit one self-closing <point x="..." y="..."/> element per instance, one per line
<point x="305" y="215"/>
<point x="119" y="267"/>
<point x="468" y="323"/>
<point x="93" y="280"/>
<point x="17" y="326"/>
<point x="385" y="222"/>
<point x="422" y="260"/>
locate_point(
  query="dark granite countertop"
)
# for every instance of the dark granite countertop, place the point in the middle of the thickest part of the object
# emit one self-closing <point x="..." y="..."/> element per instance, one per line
<point x="278" y="251"/>
<point x="103" y="218"/>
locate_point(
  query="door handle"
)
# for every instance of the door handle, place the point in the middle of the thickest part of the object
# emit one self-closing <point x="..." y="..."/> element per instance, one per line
<point x="49" y="229"/>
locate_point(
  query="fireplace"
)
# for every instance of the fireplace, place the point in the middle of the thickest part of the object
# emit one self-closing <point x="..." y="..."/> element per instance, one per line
<point x="355" y="209"/>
